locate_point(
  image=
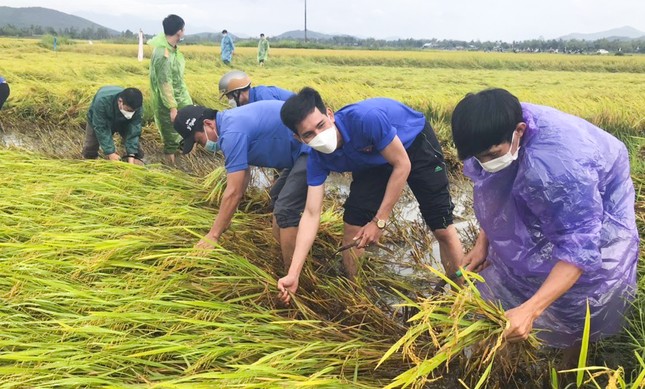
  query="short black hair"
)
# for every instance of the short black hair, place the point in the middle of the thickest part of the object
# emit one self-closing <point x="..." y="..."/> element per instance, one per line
<point x="132" y="97"/>
<point x="172" y="24"/>
<point x="261" y="35"/>
<point x="209" y="113"/>
<point x="224" y="32"/>
<point x="299" y="106"/>
<point x="483" y="120"/>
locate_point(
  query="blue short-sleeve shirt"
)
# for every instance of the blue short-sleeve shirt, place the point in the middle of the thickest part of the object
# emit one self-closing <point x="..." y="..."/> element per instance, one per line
<point x="259" y="93"/>
<point x="254" y="135"/>
<point x="367" y="128"/>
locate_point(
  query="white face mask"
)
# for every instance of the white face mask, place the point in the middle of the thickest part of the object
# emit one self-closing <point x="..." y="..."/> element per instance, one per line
<point x="232" y="103"/>
<point x="128" y="115"/>
<point x="326" y="141"/>
<point x="500" y="163"/>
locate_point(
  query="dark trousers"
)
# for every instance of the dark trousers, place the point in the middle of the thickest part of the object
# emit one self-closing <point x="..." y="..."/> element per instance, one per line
<point x="91" y="144"/>
<point x="428" y="181"/>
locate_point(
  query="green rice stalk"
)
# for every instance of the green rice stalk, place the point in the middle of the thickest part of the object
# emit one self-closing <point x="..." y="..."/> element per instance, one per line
<point x="584" y="347"/>
<point x="447" y="325"/>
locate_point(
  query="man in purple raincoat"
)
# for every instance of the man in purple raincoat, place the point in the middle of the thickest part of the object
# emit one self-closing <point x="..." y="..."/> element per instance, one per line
<point x="555" y="202"/>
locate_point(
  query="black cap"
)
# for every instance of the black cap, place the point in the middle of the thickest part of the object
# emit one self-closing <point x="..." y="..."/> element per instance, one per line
<point x="189" y="120"/>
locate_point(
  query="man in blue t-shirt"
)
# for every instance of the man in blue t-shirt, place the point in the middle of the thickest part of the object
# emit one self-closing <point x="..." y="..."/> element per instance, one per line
<point x="384" y="144"/>
<point x="251" y="136"/>
<point x="236" y="86"/>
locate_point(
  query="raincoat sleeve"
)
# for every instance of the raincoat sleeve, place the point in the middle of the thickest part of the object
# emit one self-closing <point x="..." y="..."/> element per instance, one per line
<point x="102" y="128"/>
<point x="163" y="71"/>
<point x="184" y="96"/>
<point x="133" y="133"/>
<point x="563" y="194"/>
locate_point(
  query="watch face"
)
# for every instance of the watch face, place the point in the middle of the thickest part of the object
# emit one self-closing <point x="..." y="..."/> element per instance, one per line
<point x="380" y="224"/>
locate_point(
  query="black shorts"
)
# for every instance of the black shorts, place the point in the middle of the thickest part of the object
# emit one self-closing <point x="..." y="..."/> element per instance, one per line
<point x="289" y="194"/>
<point x="428" y="181"/>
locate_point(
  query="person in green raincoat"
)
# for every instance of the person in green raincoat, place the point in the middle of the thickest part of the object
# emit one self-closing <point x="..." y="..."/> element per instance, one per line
<point x="114" y="110"/>
<point x="263" y="49"/>
<point x="169" y="90"/>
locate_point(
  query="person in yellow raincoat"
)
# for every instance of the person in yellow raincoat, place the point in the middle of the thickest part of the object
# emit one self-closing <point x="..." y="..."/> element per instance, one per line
<point x="263" y="49"/>
<point x="169" y="90"/>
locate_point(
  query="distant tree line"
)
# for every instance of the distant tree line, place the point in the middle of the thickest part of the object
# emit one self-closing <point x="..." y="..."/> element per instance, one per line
<point x="533" y="45"/>
<point x="344" y="41"/>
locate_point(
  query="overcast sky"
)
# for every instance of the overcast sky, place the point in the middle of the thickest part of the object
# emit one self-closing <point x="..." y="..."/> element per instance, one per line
<point x="444" y="19"/>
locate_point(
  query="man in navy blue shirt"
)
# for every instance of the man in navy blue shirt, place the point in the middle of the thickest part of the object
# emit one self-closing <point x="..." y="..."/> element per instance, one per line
<point x="236" y="86"/>
<point x="251" y="136"/>
<point x="384" y="144"/>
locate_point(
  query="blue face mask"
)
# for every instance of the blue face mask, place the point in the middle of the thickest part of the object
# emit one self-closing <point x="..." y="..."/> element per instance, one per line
<point x="211" y="146"/>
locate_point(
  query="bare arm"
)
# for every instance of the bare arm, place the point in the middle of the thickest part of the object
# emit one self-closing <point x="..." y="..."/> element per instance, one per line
<point x="475" y="260"/>
<point x="236" y="184"/>
<point x="307" y="230"/>
<point x="396" y="155"/>
<point x="561" y="278"/>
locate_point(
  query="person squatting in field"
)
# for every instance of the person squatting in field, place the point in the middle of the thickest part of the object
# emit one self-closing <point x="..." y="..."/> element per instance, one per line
<point x="252" y="135"/>
<point x="384" y="144"/>
<point x="555" y="201"/>
<point x="114" y="110"/>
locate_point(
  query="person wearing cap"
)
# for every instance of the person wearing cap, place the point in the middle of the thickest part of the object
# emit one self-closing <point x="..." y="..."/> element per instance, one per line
<point x="554" y="200"/>
<point x="114" y="110"/>
<point x="384" y="144"/>
<point x="169" y="90"/>
<point x="4" y="91"/>
<point x="236" y="86"/>
<point x="228" y="48"/>
<point x="252" y="135"/>
<point x="263" y="49"/>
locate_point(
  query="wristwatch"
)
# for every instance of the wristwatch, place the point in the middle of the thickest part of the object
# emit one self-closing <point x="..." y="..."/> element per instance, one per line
<point x="379" y="223"/>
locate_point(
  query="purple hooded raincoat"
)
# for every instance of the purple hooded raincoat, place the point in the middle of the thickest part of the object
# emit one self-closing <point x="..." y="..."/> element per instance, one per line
<point x="568" y="197"/>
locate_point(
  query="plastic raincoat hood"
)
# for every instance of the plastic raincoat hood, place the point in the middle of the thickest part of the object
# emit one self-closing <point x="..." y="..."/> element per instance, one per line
<point x="160" y="40"/>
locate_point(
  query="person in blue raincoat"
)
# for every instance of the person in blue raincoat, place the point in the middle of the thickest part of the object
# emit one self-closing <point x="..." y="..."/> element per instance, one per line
<point x="555" y="201"/>
<point x="228" y="48"/>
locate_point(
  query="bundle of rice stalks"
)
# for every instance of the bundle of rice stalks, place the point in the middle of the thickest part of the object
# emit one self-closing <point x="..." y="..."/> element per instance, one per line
<point x="458" y="330"/>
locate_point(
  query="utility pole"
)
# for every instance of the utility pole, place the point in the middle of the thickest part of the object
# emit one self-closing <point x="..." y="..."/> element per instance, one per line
<point x="305" y="21"/>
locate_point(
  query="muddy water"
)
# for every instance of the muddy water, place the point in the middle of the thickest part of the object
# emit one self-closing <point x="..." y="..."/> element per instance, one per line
<point x="410" y="226"/>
